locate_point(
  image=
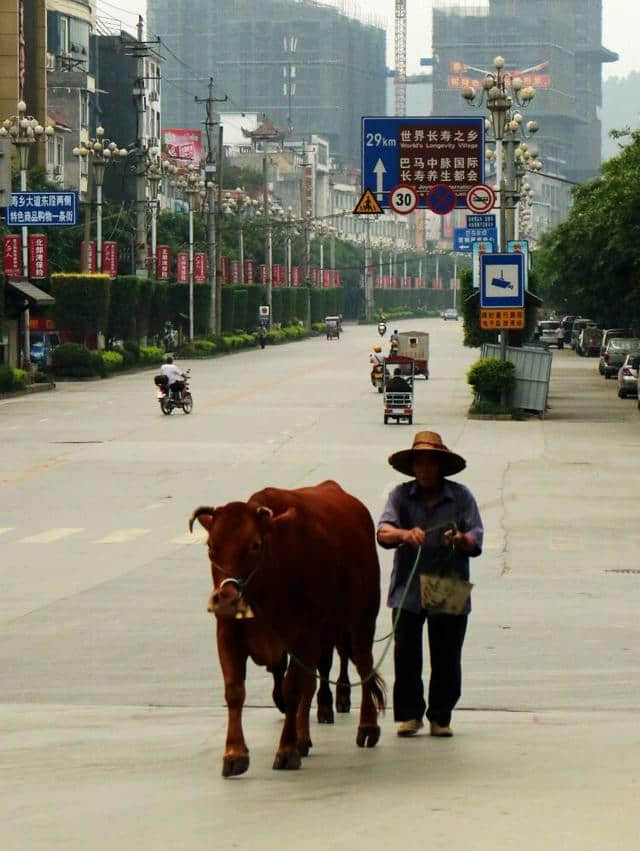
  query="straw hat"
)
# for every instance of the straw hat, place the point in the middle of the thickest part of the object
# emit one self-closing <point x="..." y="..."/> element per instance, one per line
<point x="431" y="442"/>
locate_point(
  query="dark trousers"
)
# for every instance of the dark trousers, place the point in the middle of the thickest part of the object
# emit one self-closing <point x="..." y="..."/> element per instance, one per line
<point x="446" y="637"/>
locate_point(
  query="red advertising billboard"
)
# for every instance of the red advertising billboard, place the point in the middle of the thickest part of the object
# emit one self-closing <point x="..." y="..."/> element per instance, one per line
<point x="110" y="258"/>
<point x="182" y="261"/>
<point x="12" y="255"/>
<point x="184" y="146"/>
<point x="200" y="268"/>
<point x="249" y="271"/>
<point x="88" y="258"/>
<point x="37" y="255"/>
<point x="163" y="262"/>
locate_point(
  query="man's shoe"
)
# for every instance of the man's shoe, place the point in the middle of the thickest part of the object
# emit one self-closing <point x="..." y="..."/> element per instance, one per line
<point x="441" y="732"/>
<point x="410" y="728"/>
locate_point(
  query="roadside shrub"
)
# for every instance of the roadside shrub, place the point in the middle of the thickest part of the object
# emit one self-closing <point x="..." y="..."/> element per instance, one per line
<point x="490" y="377"/>
<point x="72" y="360"/>
<point x="98" y="365"/>
<point x="284" y="335"/>
<point x="82" y="303"/>
<point x="12" y="379"/>
<point x="150" y="354"/>
<point x="113" y="361"/>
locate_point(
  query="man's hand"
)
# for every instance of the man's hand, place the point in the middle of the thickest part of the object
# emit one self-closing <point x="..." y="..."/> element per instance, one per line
<point x="391" y="536"/>
<point x="459" y="540"/>
<point x="415" y="537"/>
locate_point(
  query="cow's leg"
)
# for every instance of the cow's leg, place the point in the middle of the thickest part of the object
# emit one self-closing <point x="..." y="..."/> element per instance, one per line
<point x="343" y="690"/>
<point x="233" y="661"/>
<point x="373" y="698"/>
<point x="303" y="732"/>
<point x="325" y="698"/>
<point x="278" y="672"/>
<point x="288" y="756"/>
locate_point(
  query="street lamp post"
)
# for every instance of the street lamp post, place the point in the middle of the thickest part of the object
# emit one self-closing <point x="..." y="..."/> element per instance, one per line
<point x="156" y="170"/>
<point x="102" y="152"/>
<point x="191" y="189"/>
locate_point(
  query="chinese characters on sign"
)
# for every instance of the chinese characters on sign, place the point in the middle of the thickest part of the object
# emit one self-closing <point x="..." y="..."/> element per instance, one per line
<point x="163" y="263"/>
<point x="490" y="320"/>
<point x="37" y="256"/>
<point x="463" y="238"/>
<point x="88" y="260"/>
<point x="183" y="145"/>
<point x="12" y="256"/>
<point x="441" y="153"/>
<point x="110" y="259"/>
<point x="199" y="268"/>
<point x="458" y="78"/>
<point x="43" y="208"/>
<point x="183" y="268"/>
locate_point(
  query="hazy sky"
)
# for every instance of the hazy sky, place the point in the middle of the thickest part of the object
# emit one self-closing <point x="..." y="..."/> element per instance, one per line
<point x="621" y="28"/>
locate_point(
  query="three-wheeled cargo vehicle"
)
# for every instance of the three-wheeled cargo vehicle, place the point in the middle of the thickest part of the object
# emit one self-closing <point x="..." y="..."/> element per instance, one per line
<point x="398" y="389"/>
<point x="413" y="352"/>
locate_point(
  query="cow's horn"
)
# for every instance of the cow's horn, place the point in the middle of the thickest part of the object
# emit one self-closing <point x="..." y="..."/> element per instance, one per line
<point x="203" y="509"/>
<point x="264" y="511"/>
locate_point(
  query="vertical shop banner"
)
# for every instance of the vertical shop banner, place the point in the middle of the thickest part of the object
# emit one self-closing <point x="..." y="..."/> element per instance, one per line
<point x="182" y="267"/>
<point x="235" y="271"/>
<point x="88" y="256"/>
<point x="110" y="259"/>
<point x="163" y="262"/>
<point x="199" y="267"/>
<point x="12" y="256"/>
<point x="224" y="269"/>
<point x="37" y="255"/>
<point x="295" y="276"/>
<point x="326" y="278"/>
<point x="278" y="275"/>
<point x="262" y="273"/>
<point x="249" y="271"/>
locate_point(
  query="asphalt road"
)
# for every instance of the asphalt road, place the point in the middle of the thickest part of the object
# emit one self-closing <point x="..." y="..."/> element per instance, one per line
<point x="111" y="710"/>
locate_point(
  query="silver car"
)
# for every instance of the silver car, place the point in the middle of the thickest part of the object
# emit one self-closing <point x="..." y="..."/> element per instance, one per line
<point x="628" y="376"/>
<point x="616" y="351"/>
<point x="608" y="334"/>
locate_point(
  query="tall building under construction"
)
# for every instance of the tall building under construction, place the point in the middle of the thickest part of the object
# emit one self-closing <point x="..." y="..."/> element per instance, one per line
<point x="555" y="46"/>
<point x="306" y="66"/>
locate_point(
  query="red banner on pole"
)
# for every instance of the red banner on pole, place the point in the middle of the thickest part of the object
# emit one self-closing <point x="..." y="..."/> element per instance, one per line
<point x="88" y="259"/>
<point x="110" y="258"/>
<point x="37" y="255"/>
<point x="249" y="271"/>
<point x="326" y="278"/>
<point x="200" y="268"/>
<point x="235" y="271"/>
<point x="183" y="268"/>
<point x="224" y="270"/>
<point x="12" y="255"/>
<point x="295" y="276"/>
<point x="262" y="273"/>
<point x="163" y="262"/>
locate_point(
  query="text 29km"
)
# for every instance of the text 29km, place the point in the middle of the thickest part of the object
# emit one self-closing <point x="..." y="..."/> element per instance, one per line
<point x="377" y="140"/>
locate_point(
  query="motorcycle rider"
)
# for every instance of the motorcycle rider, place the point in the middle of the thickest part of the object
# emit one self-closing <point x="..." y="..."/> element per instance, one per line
<point x="394" y="342"/>
<point x="376" y="359"/>
<point x="175" y="377"/>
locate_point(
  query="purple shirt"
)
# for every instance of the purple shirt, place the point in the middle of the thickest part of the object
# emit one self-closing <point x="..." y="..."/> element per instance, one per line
<point x="406" y="508"/>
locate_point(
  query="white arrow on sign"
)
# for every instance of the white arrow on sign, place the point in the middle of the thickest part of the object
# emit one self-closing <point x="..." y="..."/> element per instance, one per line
<point x="379" y="170"/>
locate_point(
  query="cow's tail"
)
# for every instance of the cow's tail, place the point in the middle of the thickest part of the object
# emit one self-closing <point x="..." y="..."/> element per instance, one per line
<point x="378" y="689"/>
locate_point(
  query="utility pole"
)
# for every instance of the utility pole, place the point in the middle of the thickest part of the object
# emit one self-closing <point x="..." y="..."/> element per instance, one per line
<point x="141" y="52"/>
<point x="268" y="256"/>
<point x="215" y="315"/>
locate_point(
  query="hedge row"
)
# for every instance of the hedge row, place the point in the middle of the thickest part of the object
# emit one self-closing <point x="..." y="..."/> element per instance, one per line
<point x="74" y="360"/>
<point x="130" y="308"/>
<point x="415" y="301"/>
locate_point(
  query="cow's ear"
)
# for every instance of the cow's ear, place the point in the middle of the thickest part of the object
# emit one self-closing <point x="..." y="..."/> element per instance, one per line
<point x="204" y="514"/>
<point x="281" y="520"/>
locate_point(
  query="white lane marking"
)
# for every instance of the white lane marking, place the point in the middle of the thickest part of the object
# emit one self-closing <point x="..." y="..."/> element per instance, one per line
<point x="566" y="544"/>
<point x="5" y="529"/>
<point x="122" y="536"/>
<point x="51" y="535"/>
<point x="154" y="505"/>
<point x="45" y="420"/>
<point x="197" y="537"/>
<point x="67" y="413"/>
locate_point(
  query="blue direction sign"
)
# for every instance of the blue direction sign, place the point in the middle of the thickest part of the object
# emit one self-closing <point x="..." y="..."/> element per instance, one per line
<point x="422" y="152"/>
<point x="464" y="238"/>
<point x="501" y="280"/>
<point x="44" y="209"/>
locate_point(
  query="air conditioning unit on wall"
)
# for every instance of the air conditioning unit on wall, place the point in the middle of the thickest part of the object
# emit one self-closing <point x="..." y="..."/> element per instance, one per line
<point x="50" y="63"/>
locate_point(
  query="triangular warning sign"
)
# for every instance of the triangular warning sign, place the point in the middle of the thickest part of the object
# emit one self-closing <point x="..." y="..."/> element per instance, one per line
<point x="367" y="205"/>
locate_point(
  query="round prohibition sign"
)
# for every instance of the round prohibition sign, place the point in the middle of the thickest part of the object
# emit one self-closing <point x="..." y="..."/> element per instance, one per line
<point x="403" y="199"/>
<point x="481" y="198"/>
<point x="441" y="199"/>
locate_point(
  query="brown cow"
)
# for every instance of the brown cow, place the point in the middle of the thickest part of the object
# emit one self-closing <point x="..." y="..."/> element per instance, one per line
<point x="293" y="571"/>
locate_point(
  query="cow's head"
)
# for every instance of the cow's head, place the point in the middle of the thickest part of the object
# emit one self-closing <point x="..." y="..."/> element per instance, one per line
<point x="239" y="544"/>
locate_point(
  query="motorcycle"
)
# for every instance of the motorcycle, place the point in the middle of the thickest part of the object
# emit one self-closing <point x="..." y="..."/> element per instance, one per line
<point x="382" y="328"/>
<point x="174" y="397"/>
<point x="377" y="377"/>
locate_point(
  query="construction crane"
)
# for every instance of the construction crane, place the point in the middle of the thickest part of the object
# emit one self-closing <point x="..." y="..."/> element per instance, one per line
<point x="400" y="79"/>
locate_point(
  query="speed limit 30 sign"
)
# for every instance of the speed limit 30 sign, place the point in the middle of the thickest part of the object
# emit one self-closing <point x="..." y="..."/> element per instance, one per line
<point x="403" y="199"/>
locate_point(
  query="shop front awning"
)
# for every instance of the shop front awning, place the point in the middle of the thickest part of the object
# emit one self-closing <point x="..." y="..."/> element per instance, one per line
<point x="35" y="296"/>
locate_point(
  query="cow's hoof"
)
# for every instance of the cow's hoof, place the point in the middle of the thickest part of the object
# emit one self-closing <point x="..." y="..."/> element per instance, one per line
<point x="232" y="766"/>
<point x="368" y="736"/>
<point x="303" y="749"/>
<point x="343" y="704"/>
<point x="325" y="715"/>
<point x="287" y="761"/>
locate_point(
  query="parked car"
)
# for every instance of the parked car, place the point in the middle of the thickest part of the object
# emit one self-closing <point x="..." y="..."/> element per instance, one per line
<point x="545" y="332"/>
<point x="607" y="335"/>
<point x="628" y="376"/>
<point x="42" y="344"/>
<point x="579" y="323"/>
<point x="615" y="353"/>
<point x="588" y="344"/>
<point x="450" y="313"/>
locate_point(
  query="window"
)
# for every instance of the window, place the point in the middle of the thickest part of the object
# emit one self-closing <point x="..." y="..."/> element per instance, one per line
<point x="51" y="150"/>
<point x="59" y="151"/>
